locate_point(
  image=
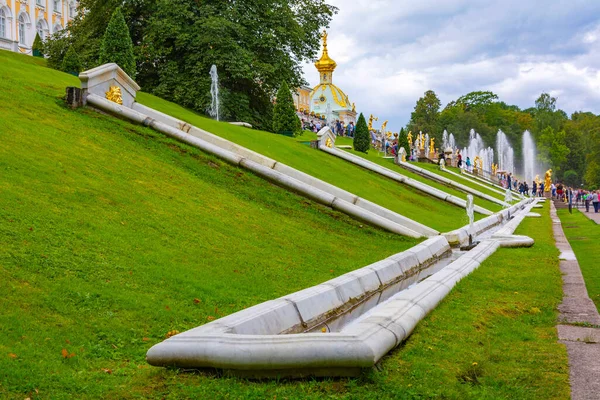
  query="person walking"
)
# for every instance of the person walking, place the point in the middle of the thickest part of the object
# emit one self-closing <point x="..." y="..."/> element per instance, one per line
<point x="468" y="163"/>
<point x="595" y="201"/>
<point x="586" y="201"/>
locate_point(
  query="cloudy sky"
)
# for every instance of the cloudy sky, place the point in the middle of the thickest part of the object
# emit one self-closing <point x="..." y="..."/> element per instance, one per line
<point x="389" y="52"/>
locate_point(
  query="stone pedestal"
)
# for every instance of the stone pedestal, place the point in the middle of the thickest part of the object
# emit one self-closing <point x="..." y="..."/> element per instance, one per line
<point x="100" y="80"/>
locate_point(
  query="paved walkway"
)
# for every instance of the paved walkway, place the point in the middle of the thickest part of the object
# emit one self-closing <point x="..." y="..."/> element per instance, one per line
<point x="576" y="311"/>
<point x="591" y="215"/>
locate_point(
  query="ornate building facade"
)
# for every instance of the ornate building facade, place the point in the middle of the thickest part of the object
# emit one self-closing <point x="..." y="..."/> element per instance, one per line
<point x="327" y="97"/>
<point x="20" y="20"/>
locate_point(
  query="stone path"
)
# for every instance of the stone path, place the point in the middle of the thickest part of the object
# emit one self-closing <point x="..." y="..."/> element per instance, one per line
<point x="591" y="215"/>
<point x="576" y="311"/>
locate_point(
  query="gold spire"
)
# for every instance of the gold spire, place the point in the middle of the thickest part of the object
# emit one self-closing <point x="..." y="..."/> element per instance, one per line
<point x="325" y="64"/>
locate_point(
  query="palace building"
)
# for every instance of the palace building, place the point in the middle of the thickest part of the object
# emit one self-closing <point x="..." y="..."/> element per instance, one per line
<point x="327" y="96"/>
<point x="20" y="20"/>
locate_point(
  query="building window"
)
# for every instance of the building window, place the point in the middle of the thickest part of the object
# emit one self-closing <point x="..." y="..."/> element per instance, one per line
<point x="72" y="9"/>
<point x="57" y="6"/>
<point x="2" y="24"/>
<point x="22" y="22"/>
<point x="39" y="2"/>
<point x="57" y="28"/>
<point x="39" y="27"/>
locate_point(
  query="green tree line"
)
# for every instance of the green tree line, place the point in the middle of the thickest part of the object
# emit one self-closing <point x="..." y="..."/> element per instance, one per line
<point x="255" y="44"/>
<point x="568" y="144"/>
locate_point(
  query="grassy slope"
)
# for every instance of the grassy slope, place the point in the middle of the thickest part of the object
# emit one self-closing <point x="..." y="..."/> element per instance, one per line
<point x="493" y="337"/>
<point x="389" y="163"/>
<point x="584" y="236"/>
<point x="110" y="262"/>
<point x="383" y="191"/>
<point x="110" y="231"/>
<point x="466" y="182"/>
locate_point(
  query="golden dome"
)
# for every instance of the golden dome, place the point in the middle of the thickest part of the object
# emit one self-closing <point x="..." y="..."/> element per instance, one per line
<point x="325" y="64"/>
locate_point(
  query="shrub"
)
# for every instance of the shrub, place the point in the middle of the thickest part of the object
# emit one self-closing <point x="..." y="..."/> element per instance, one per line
<point x="71" y="63"/>
<point x="284" y="114"/>
<point x="38" y="46"/>
<point x="403" y="141"/>
<point x="55" y="48"/>
<point x="362" y="137"/>
<point x="117" y="46"/>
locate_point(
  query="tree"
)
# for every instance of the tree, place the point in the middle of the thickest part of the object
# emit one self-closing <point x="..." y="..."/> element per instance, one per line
<point x="284" y="113"/>
<point x="571" y="179"/>
<point x="117" y="46"/>
<point x="362" y="137"/>
<point x="71" y="63"/>
<point x="425" y="116"/>
<point x="177" y="41"/>
<point x="56" y="47"/>
<point x="477" y="100"/>
<point x="38" y="46"/>
<point x="403" y="140"/>
<point x="552" y="149"/>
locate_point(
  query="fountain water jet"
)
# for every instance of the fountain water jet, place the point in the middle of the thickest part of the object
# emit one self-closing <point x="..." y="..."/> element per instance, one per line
<point x="213" y="110"/>
<point x="506" y="154"/>
<point x="529" y="157"/>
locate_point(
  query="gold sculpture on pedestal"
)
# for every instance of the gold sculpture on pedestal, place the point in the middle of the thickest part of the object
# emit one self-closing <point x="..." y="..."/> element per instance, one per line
<point x="432" y="145"/>
<point x="421" y="141"/>
<point x="114" y="95"/>
<point x="329" y="143"/>
<point x="409" y="137"/>
<point x="537" y="180"/>
<point x="371" y="119"/>
<point x="548" y="180"/>
<point x="383" y="126"/>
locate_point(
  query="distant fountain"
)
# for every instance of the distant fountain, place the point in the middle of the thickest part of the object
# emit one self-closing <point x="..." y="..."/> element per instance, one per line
<point x="328" y="119"/>
<point x="476" y="148"/>
<point x="451" y="141"/>
<point x="213" y="111"/>
<point x="530" y="167"/>
<point x="427" y="145"/>
<point x="470" y="210"/>
<point x="445" y="139"/>
<point x="506" y="154"/>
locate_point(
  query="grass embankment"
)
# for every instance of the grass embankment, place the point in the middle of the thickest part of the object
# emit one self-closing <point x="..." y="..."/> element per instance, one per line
<point x="493" y="337"/>
<point x="110" y="232"/>
<point x="467" y="180"/>
<point x="584" y="236"/>
<point x="389" y="163"/>
<point x="402" y="199"/>
<point x="112" y="235"/>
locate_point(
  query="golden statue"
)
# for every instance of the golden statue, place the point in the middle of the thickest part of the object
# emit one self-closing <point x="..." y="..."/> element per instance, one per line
<point x="432" y="145"/>
<point x="409" y="138"/>
<point x="114" y="95"/>
<point x="537" y="180"/>
<point x="324" y="37"/>
<point x="494" y="168"/>
<point x="371" y="119"/>
<point x="548" y="180"/>
<point x="421" y="141"/>
<point x="383" y="126"/>
<point x="353" y="107"/>
<point x="329" y="143"/>
<point x="403" y="156"/>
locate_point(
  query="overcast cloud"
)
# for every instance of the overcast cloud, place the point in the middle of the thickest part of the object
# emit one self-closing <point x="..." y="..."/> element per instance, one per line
<point x="390" y="52"/>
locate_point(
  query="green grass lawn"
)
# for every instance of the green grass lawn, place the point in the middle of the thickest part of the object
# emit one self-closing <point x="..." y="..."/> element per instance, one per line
<point x="467" y="182"/>
<point x="389" y="163"/>
<point x="584" y="236"/>
<point x="112" y="235"/>
<point x="296" y="153"/>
